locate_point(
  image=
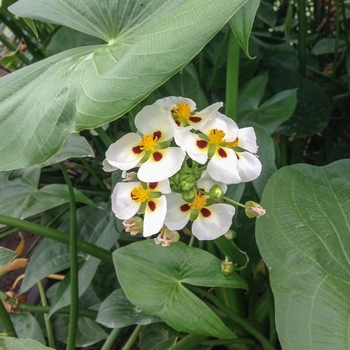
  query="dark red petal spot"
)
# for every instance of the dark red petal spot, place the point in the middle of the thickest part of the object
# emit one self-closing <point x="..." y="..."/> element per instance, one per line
<point x="157" y="135"/>
<point x="201" y="144"/>
<point x="137" y="149"/>
<point x="152" y="185"/>
<point x="184" y="207"/>
<point x="222" y="153"/>
<point x="157" y="156"/>
<point x="205" y="212"/>
<point x="195" y="119"/>
<point x="151" y="205"/>
<point x="177" y="123"/>
<point x="237" y="155"/>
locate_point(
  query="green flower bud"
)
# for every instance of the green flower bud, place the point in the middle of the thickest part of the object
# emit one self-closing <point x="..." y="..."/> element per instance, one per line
<point x="230" y="234"/>
<point x="227" y="267"/>
<point x="167" y="237"/>
<point x="189" y="196"/>
<point x="133" y="225"/>
<point x="216" y="192"/>
<point x="254" y="210"/>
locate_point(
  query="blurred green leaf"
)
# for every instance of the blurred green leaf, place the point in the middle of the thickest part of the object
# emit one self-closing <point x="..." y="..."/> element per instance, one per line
<point x="160" y="273"/>
<point x="6" y="256"/>
<point x="116" y="311"/>
<point x="242" y="22"/>
<point x="9" y="343"/>
<point x="32" y="26"/>
<point x="327" y="45"/>
<point x="156" y="337"/>
<point x="21" y="198"/>
<point x="267" y="14"/>
<point x="305" y="243"/>
<point x="86" y="87"/>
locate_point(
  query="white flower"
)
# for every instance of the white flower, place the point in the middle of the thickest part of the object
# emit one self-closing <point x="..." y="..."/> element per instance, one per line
<point x="150" y="150"/>
<point x="211" y="222"/>
<point x="132" y="197"/>
<point x="231" y="150"/>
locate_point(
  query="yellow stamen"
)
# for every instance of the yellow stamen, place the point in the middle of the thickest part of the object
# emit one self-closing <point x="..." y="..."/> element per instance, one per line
<point x="233" y="144"/>
<point x="148" y="142"/>
<point x="182" y="110"/>
<point x="216" y="137"/>
<point x="199" y="202"/>
<point x="139" y="194"/>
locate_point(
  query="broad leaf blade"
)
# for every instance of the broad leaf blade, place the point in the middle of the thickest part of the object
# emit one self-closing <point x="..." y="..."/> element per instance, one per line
<point x="9" y="343"/>
<point x="304" y="240"/>
<point x="6" y="256"/>
<point x="87" y="87"/>
<point x="160" y="272"/>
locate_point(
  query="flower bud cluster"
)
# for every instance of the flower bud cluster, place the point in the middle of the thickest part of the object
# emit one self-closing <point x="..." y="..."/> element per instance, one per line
<point x="184" y="160"/>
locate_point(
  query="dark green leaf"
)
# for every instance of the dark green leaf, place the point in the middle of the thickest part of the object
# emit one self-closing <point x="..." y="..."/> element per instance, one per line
<point x="6" y="256"/>
<point x="156" y="337"/>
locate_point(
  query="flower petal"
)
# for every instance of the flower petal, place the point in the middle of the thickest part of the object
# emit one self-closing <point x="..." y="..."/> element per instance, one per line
<point x="122" y="204"/>
<point x="154" y="216"/>
<point x="170" y="102"/>
<point x="120" y="153"/>
<point x="213" y="224"/>
<point x="176" y="217"/>
<point x="161" y="164"/>
<point x="160" y="186"/>
<point x="198" y="120"/>
<point x="249" y="166"/>
<point x="247" y="139"/>
<point x="108" y="167"/>
<point x="153" y="119"/>
<point x="223" y="166"/>
<point x="206" y="182"/>
<point x="190" y="143"/>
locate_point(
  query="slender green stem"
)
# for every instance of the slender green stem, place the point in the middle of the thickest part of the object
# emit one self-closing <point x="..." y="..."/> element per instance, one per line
<point x="129" y="344"/>
<point x="48" y="325"/>
<point x="104" y="136"/>
<point x="201" y="67"/>
<point x="111" y="339"/>
<point x="190" y="244"/>
<point x="336" y="42"/>
<point x="46" y="309"/>
<point x="232" y="77"/>
<point x="74" y="284"/>
<point x="59" y="236"/>
<point x="93" y="173"/>
<point x="302" y="36"/>
<point x="6" y="321"/>
<point x="241" y="321"/>
<point x="245" y="341"/>
<point x="189" y="342"/>
<point x="15" y="50"/>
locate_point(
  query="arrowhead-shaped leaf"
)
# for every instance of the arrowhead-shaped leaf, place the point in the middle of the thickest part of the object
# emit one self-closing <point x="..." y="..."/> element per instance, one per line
<point x="305" y="242"/>
<point x="85" y="87"/>
<point x="152" y="278"/>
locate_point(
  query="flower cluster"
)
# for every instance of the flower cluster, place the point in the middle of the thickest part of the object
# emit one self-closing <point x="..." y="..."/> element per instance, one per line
<point x="184" y="159"/>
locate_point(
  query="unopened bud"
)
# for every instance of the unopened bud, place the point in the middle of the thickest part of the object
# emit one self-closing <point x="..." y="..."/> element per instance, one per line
<point x="216" y="192"/>
<point x="230" y="234"/>
<point x="167" y="237"/>
<point x="254" y="210"/>
<point x="189" y="196"/>
<point x="133" y="225"/>
<point x="227" y="267"/>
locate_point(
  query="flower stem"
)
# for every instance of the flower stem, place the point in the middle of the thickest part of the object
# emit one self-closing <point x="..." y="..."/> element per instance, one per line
<point x="128" y="345"/>
<point x="189" y="342"/>
<point x="233" y="202"/>
<point x="111" y="339"/>
<point x="6" y="321"/>
<point x="73" y="244"/>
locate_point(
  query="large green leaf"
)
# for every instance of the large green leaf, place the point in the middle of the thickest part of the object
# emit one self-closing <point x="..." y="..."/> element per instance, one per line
<point x="152" y="277"/>
<point x="20" y="196"/>
<point x="21" y="344"/>
<point x="304" y="239"/>
<point x="85" y="87"/>
<point x="6" y="256"/>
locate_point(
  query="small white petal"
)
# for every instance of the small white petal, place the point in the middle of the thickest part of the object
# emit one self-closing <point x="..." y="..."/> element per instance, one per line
<point x="249" y="166"/>
<point x="160" y="186"/>
<point x="170" y="102"/>
<point x="120" y="155"/>
<point x="205" y="115"/>
<point x="157" y="170"/>
<point x="122" y="204"/>
<point x="154" y="118"/>
<point x="176" y="218"/>
<point x="189" y="142"/>
<point x="216" y="224"/>
<point x="154" y="216"/>
<point x="247" y="139"/>
<point x="224" y="169"/>
<point x="108" y="167"/>
<point x="206" y="182"/>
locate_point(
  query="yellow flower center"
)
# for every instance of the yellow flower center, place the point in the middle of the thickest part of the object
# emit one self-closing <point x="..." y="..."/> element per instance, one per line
<point x="232" y="144"/>
<point x="148" y="142"/>
<point x="139" y="194"/>
<point x="216" y="137"/>
<point x="182" y="110"/>
<point x="199" y="202"/>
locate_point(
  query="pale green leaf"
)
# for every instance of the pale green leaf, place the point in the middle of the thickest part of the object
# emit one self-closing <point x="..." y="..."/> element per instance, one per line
<point x="6" y="256"/>
<point x="21" y="344"/>
<point x="156" y="337"/>
<point x="152" y="278"/>
<point x="32" y="26"/>
<point x="242" y="22"/>
<point x="304" y="239"/>
<point x="86" y="87"/>
<point x="117" y="311"/>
